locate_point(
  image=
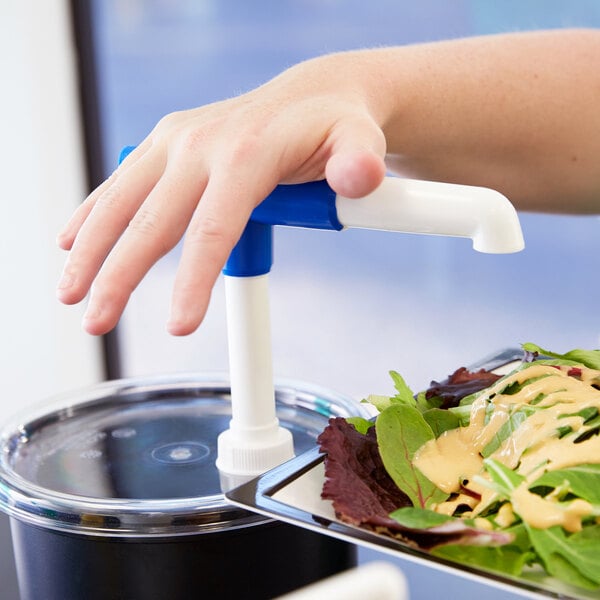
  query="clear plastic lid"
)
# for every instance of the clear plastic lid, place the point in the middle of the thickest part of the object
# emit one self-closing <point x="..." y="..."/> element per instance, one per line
<point x="137" y="457"/>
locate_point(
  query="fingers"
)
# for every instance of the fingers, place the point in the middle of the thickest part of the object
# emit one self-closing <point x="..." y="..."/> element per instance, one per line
<point x="109" y="216"/>
<point x="155" y="229"/>
<point x="215" y="228"/>
<point x="355" y="174"/>
<point x="356" y="165"/>
<point x="69" y="232"/>
<point x="66" y="237"/>
<point x="203" y="179"/>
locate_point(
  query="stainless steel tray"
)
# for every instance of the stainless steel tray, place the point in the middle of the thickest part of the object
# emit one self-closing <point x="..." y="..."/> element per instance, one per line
<point x="292" y="493"/>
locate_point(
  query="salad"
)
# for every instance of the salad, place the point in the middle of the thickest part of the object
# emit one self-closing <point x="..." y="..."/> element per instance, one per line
<point x="500" y="472"/>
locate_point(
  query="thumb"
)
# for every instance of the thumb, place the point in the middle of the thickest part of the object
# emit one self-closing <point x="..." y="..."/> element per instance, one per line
<point x="356" y="165"/>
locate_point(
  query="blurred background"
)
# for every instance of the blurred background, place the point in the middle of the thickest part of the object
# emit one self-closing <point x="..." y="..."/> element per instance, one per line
<point x="346" y="307"/>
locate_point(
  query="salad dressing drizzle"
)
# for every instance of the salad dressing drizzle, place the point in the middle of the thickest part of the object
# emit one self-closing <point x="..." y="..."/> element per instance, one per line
<point x="544" y="439"/>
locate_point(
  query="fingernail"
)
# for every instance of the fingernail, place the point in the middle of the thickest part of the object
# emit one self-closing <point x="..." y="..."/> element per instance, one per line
<point x="173" y="326"/>
<point x="175" y="323"/>
<point x="92" y="312"/>
<point x="66" y="281"/>
<point x="63" y="240"/>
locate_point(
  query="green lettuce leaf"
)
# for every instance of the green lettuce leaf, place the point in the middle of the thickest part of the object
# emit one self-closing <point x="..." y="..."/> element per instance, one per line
<point x="419" y="518"/>
<point x="582" y="480"/>
<point x="589" y="358"/>
<point x="512" y="424"/>
<point x="504" y="481"/>
<point x="508" y="559"/>
<point x="379" y="402"/>
<point x="441" y="420"/>
<point x="573" y="558"/>
<point x="361" y="425"/>
<point x="401" y="431"/>
<point x="450" y="530"/>
<point x="405" y="394"/>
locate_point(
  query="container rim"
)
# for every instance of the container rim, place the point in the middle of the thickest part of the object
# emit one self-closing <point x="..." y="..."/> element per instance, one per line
<point x="119" y="517"/>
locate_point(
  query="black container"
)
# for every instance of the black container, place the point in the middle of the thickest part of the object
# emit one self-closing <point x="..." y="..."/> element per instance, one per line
<point x="113" y="494"/>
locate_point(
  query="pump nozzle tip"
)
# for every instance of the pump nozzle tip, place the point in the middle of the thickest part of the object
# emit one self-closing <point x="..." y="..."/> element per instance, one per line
<point x="241" y="458"/>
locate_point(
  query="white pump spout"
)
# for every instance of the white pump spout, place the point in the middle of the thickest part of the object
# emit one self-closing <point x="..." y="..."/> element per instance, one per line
<point x="428" y="207"/>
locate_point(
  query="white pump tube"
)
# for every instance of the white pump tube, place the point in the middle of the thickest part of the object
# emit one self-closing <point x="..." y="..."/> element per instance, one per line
<point x="429" y="207"/>
<point x="254" y="442"/>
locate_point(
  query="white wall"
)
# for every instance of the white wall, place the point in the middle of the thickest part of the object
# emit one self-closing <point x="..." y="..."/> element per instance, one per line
<point x="43" y="350"/>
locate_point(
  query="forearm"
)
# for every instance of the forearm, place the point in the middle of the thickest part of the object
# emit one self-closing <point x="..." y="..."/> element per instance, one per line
<point x="518" y="112"/>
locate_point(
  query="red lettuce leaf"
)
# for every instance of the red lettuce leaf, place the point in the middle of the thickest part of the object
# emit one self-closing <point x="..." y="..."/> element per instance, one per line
<point x="363" y="494"/>
<point x="355" y="479"/>
<point x="460" y="384"/>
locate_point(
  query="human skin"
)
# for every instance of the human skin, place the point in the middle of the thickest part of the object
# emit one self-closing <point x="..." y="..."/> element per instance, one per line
<point x="519" y="113"/>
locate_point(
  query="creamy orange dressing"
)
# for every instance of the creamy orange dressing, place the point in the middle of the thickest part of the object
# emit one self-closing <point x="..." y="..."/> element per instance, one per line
<point x="533" y="448"/>
<point x="542" y="513"/>
<point x="557" y="455"/>
<point x="506" y="516"/>
<point x="438" y="459"/>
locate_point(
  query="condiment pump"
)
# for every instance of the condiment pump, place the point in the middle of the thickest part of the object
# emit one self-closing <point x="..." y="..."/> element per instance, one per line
<point x="255" y="442"/>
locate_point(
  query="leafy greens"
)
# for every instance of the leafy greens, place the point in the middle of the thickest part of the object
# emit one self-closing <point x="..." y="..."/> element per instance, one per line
<point x="529" y="491"/>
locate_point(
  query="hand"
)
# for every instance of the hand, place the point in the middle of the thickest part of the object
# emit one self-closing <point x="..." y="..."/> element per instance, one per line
<point x="200" y="173"/>
<point x="486" y="111"/>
